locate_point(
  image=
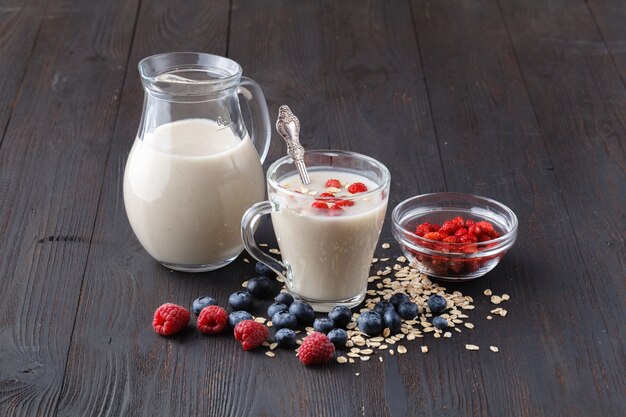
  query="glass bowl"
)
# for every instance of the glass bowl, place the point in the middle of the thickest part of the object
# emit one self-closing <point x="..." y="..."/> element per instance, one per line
<point x="461" y="261"/>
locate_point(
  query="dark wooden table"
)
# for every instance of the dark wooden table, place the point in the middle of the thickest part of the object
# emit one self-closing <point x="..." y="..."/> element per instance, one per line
<point x="520" y="100"/>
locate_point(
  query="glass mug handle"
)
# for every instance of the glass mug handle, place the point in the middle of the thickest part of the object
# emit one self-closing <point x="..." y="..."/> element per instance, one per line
<point x="249" y="222"/>
<point x="261" y="134"/>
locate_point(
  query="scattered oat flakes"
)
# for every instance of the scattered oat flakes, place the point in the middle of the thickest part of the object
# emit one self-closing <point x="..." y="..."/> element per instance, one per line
<point x="505" y="297"/>
<point x="246" y="260"/>
<point x="391" y="352"/>
<point x="401" y="349"/>
<point x="468" y="325"/>
<point x="471" y="347"/>
<point x="496" y="299"/>
<point x="365" y="358"/>
<point x="380" y="358"/>
<point x="274" y="251"/>
<point x="273" y="346"/>
<point x="270" y="354"/>
<point x="386" y="245"/>
<point x="494" y="349"/>
<point x="424" y="349"/>
<point x="263" y="245"/>
<point x="487" y="292"/>
<point x="489" y="317"/>
<point x="357" y="374"/>
<point x="342" y="359"/>
<point x="447" y="334"/>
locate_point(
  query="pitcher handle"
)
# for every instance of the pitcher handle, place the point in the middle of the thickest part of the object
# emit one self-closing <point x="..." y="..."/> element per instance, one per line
<point x="261" y="134"/>
<point x="249" y="222"/>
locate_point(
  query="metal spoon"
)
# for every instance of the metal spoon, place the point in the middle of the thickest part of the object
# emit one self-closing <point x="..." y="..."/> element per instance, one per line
<point x="288" y="126"/>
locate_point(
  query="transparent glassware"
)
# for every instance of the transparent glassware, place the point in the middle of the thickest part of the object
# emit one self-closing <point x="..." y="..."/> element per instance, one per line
<point x="453" y="261"/>
<point x="326" y="254"/>
<point x="193" y="169"/>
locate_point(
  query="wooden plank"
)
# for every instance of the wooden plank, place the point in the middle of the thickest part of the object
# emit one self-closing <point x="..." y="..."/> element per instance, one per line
<point x="610" y="16"/>
<point x="52" y="160"/>
<point x="117" y="365"/>
<point x="19" y="26"/>
<point x="352" y="71"/>
<point x="493" y="144"/>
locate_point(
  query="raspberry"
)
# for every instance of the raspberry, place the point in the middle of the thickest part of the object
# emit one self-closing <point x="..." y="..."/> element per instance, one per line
<point x="327" y="195"/>
<point x="357" y="187"/>
<point x="212" y="320"/>
<point x="316" y="348"/>
<point x="434" y="236"/>
<point x="169" y="319"/>
<point x="333" y="183"/>
<point x="250" y="334"/>
<point x="319" y="205"/>
<point x="344" y="203"/>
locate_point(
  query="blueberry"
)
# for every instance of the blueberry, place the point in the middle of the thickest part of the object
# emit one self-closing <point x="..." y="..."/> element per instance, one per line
<point x="437" y="304"/>
<point x="260" y="287"/>
<point x="275" y="308"/>
<point x="341" y="316"/>
<point x="370" y="322"/>
<point x="237" y="316"/>
<point x="200" y="303"/>
<point x="383" y="306"/>
<point x="398" y="298"/>
<point x="264" y="270"/>
<point x="284" y="298"/>
<point x="338" y="337"/>
<point x="240" y="300"/>
<point x="284" y="320"/>
<point x="408" y="310"/>
<point x="323" y="325"/>
<point x="286" y="338"/>
<point x="303" y="312"/>
<point x="392" y="321"/>
<point x="440" y="323"/>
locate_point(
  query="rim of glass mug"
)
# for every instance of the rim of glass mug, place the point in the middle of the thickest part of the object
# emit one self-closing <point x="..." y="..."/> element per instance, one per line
<point x="274" y="182"/>
<point x="224" y="72"/>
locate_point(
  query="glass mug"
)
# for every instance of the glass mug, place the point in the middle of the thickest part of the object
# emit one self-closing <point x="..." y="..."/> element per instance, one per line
<point x="326" y="254"/>
<point x="193" y="169"/>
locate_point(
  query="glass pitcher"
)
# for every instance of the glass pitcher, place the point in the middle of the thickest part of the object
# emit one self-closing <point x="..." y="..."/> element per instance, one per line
<point x="193" y="169"/>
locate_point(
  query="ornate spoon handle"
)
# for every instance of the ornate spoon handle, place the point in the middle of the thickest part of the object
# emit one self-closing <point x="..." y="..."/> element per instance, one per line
<point x="288" y="126"/>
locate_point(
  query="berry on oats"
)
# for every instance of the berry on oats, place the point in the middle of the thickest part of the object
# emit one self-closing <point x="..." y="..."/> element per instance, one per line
<point x="276" y="308"/>
<point x="333" y="183"/>
<point x="437" y="304"/>
<point x="392" y="321"/>
<point x="284" y="298"/>
<point x="316" y="349"/>
<point x="398" y="298"/>
<point x="284" y="320"/>
<point x="340" y="316"/>
<point x="370" y="322"/>
<point x="212" y="320"/>
<point x="408" y="310"/>
<point x="250" y="334"/>
<point x="357" y="187"/>
<point x="286" y="338"/>
<point x="264" y="270"/>
<point x="170" y="319"/>
<point x="261" y="287"/>
<point x="323" y="325"/>
<point x="240" y="300"/>
<point x="236" y="316"/>
<point x="440" y="323"/>
<point x="201" y="302"/>
<point x="382" y="306"/>
<point x="303" y="312"/>
<point x="338" y="337"/>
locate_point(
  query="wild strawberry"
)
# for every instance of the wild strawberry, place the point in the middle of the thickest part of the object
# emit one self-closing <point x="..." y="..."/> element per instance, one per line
<point x="212" y="320"/>
<point x="468" y="238"/>
<point x="434" y="236"/>
<point x="460" y="232"/>
<point x="423" y="228"/>
<point x="475" y="230"/>
<point x="449" y="227"/>
<point x="250" y="334"/>
<point x="316" y="348"/>
<point x="484" y="237"/>
<point x="357" y="187"/>
<point x="469" y="222"/>
<point x="169" y="319"/>
<point x="333" y="183"/>
<point x="344" y="203"/>
<point x="451" y="239"/>
<point x="459" y="220"/>
<point x="319" y="205"/>
<point x="487" y="228"/>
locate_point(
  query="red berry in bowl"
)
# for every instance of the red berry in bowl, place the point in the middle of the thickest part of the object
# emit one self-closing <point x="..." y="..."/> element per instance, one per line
<point x="333" y="183"/>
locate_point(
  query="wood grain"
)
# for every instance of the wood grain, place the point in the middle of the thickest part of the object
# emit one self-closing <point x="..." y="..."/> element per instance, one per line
<point x="52" y="167"/>
<point x="610" y="16"/>
<point x="484" y="100"/>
